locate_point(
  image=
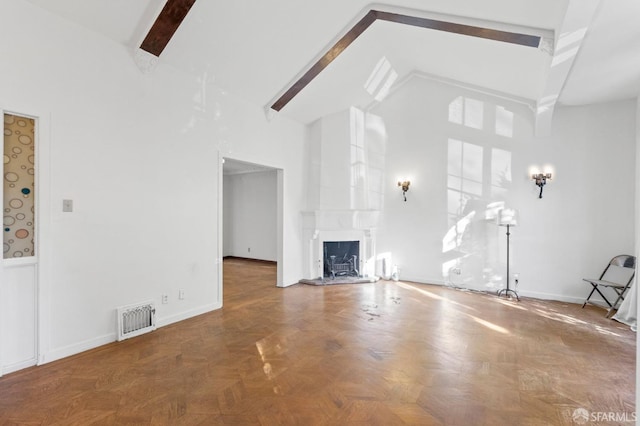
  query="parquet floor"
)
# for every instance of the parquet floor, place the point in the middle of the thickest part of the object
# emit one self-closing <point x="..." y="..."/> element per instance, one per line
<point x="363" y="354"/>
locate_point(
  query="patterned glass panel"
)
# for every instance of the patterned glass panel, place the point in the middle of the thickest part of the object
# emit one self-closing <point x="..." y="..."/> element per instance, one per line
<point x="19" y="187"/>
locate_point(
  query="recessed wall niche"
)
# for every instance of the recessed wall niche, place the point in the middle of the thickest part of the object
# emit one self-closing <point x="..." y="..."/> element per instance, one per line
<point x="18" y="187"/>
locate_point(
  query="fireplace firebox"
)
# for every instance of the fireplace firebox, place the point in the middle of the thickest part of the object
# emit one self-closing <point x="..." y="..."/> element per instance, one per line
<point x="341" y="258"/>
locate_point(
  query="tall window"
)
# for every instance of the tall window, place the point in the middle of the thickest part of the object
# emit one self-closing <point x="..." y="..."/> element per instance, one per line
<point x="466" y="111"/>
<point x="19" y="187"/>
<point x="464" y="177"/>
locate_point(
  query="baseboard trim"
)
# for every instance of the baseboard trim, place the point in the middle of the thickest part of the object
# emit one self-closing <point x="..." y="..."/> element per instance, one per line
<point x="76" y="348"/>
<point x="521" y="292"/>
<point x="89" y="344"/>
<point x="12" y="368"/>
<point x="171" y="319"/>
<point x="270" y="262"/>
<point x="550" y="296"/>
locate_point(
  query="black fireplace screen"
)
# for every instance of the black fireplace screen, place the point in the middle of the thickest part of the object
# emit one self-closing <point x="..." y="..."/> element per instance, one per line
<point x="341" y="258"/>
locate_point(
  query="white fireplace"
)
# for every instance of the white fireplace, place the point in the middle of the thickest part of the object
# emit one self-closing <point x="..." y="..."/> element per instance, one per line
<point x="345" y="188"/>
<point x="339" y="225"/>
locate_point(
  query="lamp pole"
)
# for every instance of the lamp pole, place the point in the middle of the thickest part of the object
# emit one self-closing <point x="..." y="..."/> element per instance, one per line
<point x="507" y="290"/>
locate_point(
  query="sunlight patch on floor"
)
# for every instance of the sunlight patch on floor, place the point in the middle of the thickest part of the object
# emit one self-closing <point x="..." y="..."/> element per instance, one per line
<point x="433" y="295"/>
<point x="447" y="302"/>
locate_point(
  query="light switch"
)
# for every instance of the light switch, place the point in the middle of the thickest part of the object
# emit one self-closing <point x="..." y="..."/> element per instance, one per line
<point x="67" y="205"/>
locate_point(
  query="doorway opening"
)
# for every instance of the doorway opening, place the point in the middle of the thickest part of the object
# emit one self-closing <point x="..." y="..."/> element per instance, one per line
<point x="19" y="270"/>
<point x="251" y="214"/>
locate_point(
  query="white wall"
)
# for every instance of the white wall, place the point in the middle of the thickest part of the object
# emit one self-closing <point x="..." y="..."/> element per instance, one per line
<point x="250" y="215"/>
<point x="585" y="217"/>
<point x="637" y="248"/>
<point x="140" y="157"/>
<point x="346" y="162"/>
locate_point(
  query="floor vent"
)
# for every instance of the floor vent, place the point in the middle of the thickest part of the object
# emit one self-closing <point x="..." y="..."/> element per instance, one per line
<point x="134" y="320"/>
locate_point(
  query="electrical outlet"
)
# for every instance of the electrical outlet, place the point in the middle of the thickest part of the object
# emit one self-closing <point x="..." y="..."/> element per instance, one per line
<point x="67" y="205"/>
<point x="181" y="294"/>
<point x="249" y="249"/>
<point x="165" y="298"/>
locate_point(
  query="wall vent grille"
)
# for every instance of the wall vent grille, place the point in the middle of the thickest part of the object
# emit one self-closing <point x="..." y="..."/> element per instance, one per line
<point x="134" y="320"/>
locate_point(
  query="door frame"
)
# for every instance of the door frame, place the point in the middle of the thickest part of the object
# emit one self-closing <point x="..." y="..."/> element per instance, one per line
<point x="279" y="220"/>
<point x="42" y="231"/>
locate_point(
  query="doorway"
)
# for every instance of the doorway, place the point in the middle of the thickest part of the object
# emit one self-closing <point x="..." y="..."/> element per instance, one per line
<point x="251" y="214"/>
<point x="20" y="260"/>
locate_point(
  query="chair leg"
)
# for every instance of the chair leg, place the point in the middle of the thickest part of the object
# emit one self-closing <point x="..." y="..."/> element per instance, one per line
<point x="595" y="288"/>
<point x="589" y="296"/>
<point x="620" y="297"/>
<point x="603" y="297"/>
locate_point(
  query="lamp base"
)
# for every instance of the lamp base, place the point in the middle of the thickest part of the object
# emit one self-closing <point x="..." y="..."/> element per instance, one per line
<point x="506" y="292"/>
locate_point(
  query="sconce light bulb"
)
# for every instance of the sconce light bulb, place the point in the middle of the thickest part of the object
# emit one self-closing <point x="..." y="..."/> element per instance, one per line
<point x="541" y="180"/>
<point x="404" y="185"/>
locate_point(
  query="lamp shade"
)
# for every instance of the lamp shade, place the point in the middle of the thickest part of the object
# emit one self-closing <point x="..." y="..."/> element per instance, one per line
<point x="507" y="217"/>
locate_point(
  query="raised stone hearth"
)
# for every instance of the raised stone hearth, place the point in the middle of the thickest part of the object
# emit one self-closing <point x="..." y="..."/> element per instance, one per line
<point x="339" y="280"/>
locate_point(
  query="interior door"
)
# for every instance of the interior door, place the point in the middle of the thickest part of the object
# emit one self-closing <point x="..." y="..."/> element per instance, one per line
<point x="19" y="287"/>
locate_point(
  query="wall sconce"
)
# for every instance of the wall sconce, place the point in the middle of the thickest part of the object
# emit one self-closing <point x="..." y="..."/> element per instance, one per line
<point x="541" y="180"/>
<point x="405" y="187"/>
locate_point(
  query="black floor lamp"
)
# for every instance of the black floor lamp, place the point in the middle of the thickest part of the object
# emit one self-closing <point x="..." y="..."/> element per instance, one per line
<point x="507" y="218"/>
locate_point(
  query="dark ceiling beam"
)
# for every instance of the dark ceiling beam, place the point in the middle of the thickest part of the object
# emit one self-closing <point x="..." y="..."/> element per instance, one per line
<point x="326" y="59"/>
<point x="371" y="17"/>
<point x="468" y="30"/>
<point x="165" y="26"/>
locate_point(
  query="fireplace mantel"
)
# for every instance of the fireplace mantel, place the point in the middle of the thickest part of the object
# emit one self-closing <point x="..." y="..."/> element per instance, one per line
<point x="340" y="219"/>
<point x="339" y="225"/>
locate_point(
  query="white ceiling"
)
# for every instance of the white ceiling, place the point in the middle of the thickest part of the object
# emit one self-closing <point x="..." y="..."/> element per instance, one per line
<point x="257" y="49"/>
<point x="607" y="67"/>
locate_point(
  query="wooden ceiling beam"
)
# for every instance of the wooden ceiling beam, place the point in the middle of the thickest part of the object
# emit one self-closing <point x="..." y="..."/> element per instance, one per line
<point x="326" y="59"/>
<point x="165" y="26"/>
<point x="468" y="30"/>
<point x="371" y="17"/>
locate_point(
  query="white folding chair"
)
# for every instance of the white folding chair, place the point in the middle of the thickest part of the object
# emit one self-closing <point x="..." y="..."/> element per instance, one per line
<point x="618" y="275"/>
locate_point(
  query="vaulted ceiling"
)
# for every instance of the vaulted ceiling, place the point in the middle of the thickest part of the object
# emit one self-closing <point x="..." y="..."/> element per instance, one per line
<point x="309" y="59"/>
